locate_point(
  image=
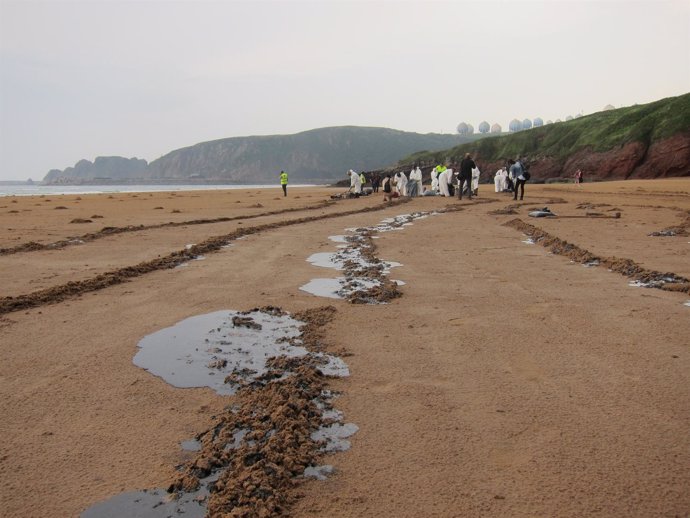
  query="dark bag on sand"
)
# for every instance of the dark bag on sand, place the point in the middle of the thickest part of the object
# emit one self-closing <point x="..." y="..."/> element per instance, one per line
<point x="526" y="175"/>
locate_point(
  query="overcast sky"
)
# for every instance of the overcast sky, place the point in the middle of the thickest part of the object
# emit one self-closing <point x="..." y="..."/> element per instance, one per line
<point x="82" y="79"/>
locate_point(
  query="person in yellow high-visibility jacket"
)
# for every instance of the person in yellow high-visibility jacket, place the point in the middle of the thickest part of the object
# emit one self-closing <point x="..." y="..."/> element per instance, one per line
<point x="283" y="182"/>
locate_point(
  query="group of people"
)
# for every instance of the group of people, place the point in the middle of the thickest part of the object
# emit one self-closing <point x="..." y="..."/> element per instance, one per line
<point x="444" y="181"/>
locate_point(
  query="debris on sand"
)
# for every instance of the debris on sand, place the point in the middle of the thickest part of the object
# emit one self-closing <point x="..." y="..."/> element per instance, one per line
<point x="508" y="209"/>
<point x="639" y="275"/>
<point x="247" y="322"/>
<point x="109" y="231"/>
<point x="589" y="205"/>
<point x="174" y="259"/>
<point x="273" y="437"/>
<point x="544" y="212"/>
<point x="677" y="230"/>
<point x="365" y="279"/>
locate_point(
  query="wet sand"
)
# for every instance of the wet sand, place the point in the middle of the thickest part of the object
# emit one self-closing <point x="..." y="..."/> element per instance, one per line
<point x="507" y="380"/>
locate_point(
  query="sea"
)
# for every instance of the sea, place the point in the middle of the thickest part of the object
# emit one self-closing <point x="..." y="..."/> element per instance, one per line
<point x="37" y="190"/>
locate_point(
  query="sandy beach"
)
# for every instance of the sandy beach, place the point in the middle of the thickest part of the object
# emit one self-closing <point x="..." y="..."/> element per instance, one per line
<point x="506" y="379"/>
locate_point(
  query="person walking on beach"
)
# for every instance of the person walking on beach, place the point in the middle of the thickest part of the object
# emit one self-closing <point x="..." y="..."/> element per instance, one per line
<point x="465" y="177"/>
<point x="578" y="176"/>
<point x="387" y="187"/>
<point x="517" y="171"/>
<point x="283" y="182"/>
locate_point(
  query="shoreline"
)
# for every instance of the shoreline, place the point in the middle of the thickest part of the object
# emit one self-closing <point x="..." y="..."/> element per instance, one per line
<point x="59" y="190"/>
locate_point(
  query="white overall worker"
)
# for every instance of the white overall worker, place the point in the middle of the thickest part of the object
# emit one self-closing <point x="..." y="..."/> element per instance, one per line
<point x="435" y="172"/>
<point x="416" y="176"/>
<point x="476" y="173"/>
<point x="401" y="183"/>
<point x="355" y="182"/>
<point x="443" y="180"/>
<point x="498" y="181"/>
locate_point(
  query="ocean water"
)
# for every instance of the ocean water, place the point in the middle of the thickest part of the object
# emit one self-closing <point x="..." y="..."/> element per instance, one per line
<point x="37" y="190"/>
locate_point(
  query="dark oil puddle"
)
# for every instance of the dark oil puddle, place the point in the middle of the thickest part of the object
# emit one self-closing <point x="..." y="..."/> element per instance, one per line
<point x="223" y="350"/>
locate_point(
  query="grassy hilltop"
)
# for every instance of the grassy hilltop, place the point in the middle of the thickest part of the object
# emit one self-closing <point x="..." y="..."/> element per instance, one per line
<point x="553" y="150"/>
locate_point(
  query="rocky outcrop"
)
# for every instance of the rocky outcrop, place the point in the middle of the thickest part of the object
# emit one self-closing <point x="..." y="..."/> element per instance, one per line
<point x="670" y="157"/>
<point x="104" y="168"/>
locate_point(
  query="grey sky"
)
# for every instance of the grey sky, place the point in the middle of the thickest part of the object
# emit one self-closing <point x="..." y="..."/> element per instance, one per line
<point x="110" y="77"/>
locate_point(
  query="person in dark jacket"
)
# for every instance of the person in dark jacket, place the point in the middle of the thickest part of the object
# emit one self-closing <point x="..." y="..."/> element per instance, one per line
<point x="517" y="171"/>
<point x="375" y="182"/>
<point x="465" y="176"/>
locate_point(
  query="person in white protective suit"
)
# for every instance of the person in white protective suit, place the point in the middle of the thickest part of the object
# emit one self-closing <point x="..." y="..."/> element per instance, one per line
<point x="443" y="180"/>
<point x="416" y="176"/>
<point x="475" y="180"/>
<point x="355" y="182"/>
<point x="401" y="183"/>
<point x="498" y="181"/>
<point x="434" y="180"/>
<point x="504" y="180"/>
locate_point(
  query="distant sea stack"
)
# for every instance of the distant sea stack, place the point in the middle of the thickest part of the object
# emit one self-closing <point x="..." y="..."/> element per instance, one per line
<point x="316" y="156"/>
<point x="104" y="169"/>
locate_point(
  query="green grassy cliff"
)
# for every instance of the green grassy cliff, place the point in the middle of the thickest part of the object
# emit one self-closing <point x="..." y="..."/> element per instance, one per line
<point x="556" y="149"/>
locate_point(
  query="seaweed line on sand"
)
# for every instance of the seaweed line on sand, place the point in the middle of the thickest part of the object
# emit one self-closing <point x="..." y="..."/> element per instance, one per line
<point x="681" y="229"/>
<point x="276" y="417"/>
<point x="508" y="209"/>
<point x="114" y="277"/>
<point x="385" y="290"/>
<point x="33" y="246"/>
<point x="366" y="279"/>
<point x="652" y="278"/>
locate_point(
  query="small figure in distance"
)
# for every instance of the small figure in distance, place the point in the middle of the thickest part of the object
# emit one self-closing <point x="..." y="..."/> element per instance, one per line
<point x="465" y="177"/>
<point x="476" y="173"/>
<point x="375" y="182"/>
<point x="387" y="186"/>
<point x="283" y="182"/>
<point x="510" y="181"/>
<point x="578" y="177"/>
